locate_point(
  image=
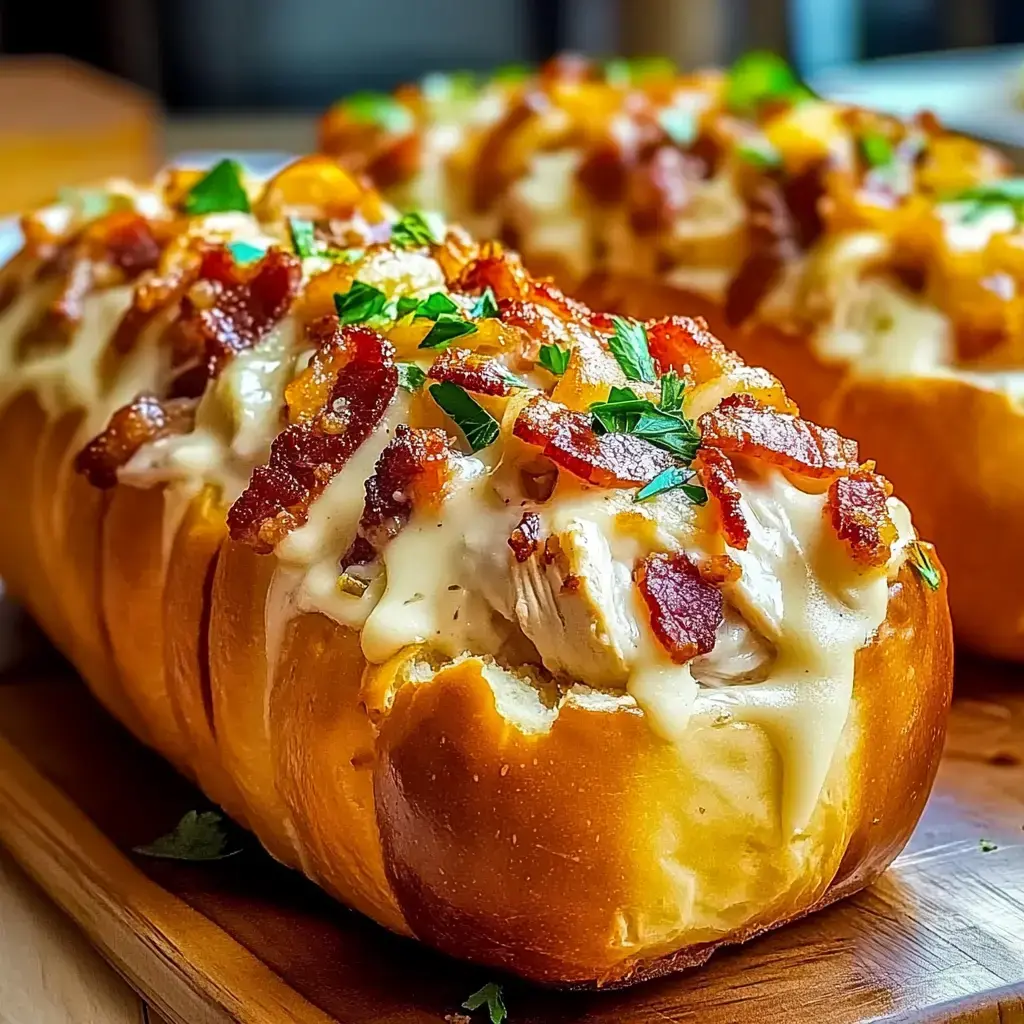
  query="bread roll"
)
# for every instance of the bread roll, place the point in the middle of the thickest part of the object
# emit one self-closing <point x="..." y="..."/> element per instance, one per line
<point x="557" y="641"/>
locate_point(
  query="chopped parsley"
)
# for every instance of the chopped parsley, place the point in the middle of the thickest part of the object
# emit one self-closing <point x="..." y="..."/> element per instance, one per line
<point x="877" y="150"/>
<point x="510" y="74"/>
<point x="626" y="413"/>
<point x="758" y="151"/>
<point x="681" y="126"/>
<point x="762" y="77"/>
<point x="923" y="564"/>
<point x="486" y="306"/>
<point x="478" y="426"/>
<point x="303" y="237"/>
<point x="672" y="387"/>
<point x="554" y="359"/>
<point x="199" y="836"/>
<point x="671" y="479"/>
<point x="412" y="230"/>
<point x="360" y="303"/>
<point x="629" y="346"/>
<point x="410" y="376"/>
<point x="220" y="190"/>
<point x="1007" y="193"/>
<point x="624" y="72"/>
<point x="433" y="306"/>
<point x="447" y="327"/>
<point x="491" y="997"/>
<point x="245" y="252"/>
<point x="380" y="109"/>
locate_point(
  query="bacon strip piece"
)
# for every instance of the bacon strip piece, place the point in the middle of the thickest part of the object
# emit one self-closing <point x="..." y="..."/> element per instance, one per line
<point x="525" y="538"/>
<point x="743" y="426"/>
<point x="306" y="455"/>
<point x="685" y="609"/>
<point x="858" y="513"/>
<point x="605" y="460"/>
<point x="483" y="375"/>
<point x="144" y="420"/>
<point x="719" y="478"/>
<point x="685" y="344"/>
<point x="412" y="471"/>
<point x="240" y="306"/>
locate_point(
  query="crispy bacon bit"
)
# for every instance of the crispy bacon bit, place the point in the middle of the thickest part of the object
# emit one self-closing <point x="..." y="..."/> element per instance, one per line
<point x="685" y="345"/>
<point x="484" y="375"/>
<point x="306" y="455"/>
<point x="525" y="538"/>
<point x="719" y="478"/>
<point x="605" y="460"/>
<point x="743" y="426"/>
<point x="685" y="609"/>
<point x="140" y="422"/>
<point x="307" y="395"/>
<point x="660" y="187"/>
<point x="858" y="513"/>
<point x="239" y="306"/>
<point x="412" y="471"/>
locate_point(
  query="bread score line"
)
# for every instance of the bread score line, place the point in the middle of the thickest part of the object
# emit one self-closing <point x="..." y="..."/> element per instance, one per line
<point x="874" y="265"/>
<point x="554" y="639"/>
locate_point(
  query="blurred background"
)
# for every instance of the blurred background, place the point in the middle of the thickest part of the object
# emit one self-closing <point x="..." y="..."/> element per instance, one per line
<point x="251" y="74"/>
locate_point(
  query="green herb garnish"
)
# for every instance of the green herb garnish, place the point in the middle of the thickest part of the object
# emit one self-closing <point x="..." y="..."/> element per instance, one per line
<point x="667" y="428"/>
<point x="245" y="252"/>
<point x="877" y="149"/>
<point x="303" y="237"/>
<point x="672" y="387"/>
<point x="440" y="86"/>
<point x="434" y="305"/>
<point x="410" y="376"/>
<point x="1007" y="193"/>
<point x="629" y="346"/>
<point x="624" y="72"/>
<point x="380" y="109"/>
<point x="671" y="479"/>
<point x="554" y="359"/>
<point x="478" y="426"/>
<point x="510" y="74"/>
<point x="360" y="303"/>
<point x="759" y="152"/>
<point x="197" y="837"/>
<point x="762" y="77"/>
<point x="486" y="306"/>
<point x="987" y="846"/>
<point x="923" y="564"/>
<point x="413" y="230"/>
<point x="220" y="190"/>
<point x="490" y="995"/>
<point x="681" y="126"/>
<point x="447" y="327"/>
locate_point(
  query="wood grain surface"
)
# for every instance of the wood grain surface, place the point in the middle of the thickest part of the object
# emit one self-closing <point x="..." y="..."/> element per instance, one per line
<point x="940" y="937"/>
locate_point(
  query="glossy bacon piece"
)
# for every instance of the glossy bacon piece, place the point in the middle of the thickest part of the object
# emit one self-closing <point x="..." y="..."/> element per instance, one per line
<point x="857" y="510"/>
<point x="308" y="394"/>
<point x="145" y="419"/>
<point x="239" y="306"/>
<point x="685" y="344"/>
<point x="743" y="426"/>
<point x="525" y="538"/>
<point x="483" y="375"/>
<point x="685" y="609"/>
<point x="413" y="471"/>
<point x="605" y="460"/>
<point x="719" y="478"/>
<point x="306" y="455"/>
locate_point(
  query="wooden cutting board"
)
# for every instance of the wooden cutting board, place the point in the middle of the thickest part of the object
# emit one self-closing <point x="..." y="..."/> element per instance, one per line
<point x="940" y="937"/>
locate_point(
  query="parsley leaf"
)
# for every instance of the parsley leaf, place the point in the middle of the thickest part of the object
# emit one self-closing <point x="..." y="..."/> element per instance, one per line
<point x="412" y="230"/>
<point x="672" y="387"/>
<point x="410" y="376"/>
<point x="1006" y="192"/>
<point x="762" y="77"/>
<point x="923" y="564"/>
<point x="626" y="413"/>
<point x="220" y="190"/>
<point x="244" y="252"/>
<point x="490" y="995"/>
<point x="758" y="151"/>
<point x="623" y="72"/>
<point x="629" y="346"/>
<point x="303" y="237"/>
<point x="447" y="327"/>
<point x="510" y="74"/>
<point x="554" y="359"/>
<point x="877" y="149"/>
<point x="485" y="307"/>
<point x="380" y="109"/>
<point x="197" y="837"/>
<point x="436" y="304"/>
<point x="675" y="477"/>
<point x="478" y="426"/>
<point x="359" y="303"/>
<point x="681" y="126"/>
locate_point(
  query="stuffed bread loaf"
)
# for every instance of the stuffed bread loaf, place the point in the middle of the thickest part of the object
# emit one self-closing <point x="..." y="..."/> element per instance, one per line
<point x="874" y="265"/>
<point x="557" y="640"/>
